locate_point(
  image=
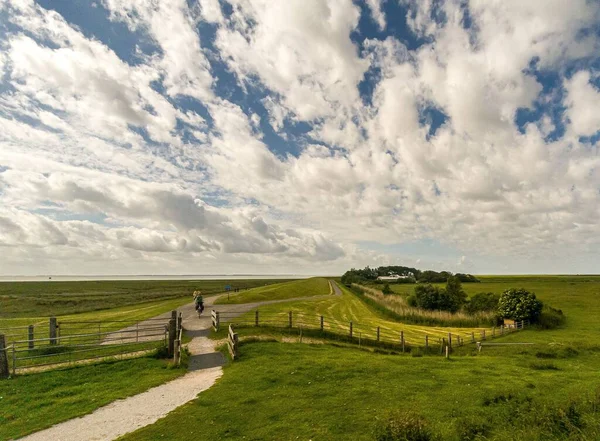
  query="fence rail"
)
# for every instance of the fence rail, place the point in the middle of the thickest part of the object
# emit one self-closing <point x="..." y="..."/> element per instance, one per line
<point x="357" y="333"/>
<point x="68" y="342"/>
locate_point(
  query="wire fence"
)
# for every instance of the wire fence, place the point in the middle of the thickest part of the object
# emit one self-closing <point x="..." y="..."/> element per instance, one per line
<point x="353" y="332"/>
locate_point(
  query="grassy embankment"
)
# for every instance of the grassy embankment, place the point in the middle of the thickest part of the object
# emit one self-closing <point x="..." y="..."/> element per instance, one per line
<point x="339" y="311"/>
<point x="315" y="286"/>
<point x="29" y="403"/>
<point x="548" y="391"/>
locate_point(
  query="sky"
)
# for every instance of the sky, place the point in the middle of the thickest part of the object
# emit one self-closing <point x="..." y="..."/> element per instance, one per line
<point x="299" y="137"/>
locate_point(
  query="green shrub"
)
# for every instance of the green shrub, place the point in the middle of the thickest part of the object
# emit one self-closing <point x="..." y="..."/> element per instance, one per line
<point x="550" y="318"/>
<point x="519" y="304"/>
<point x="403" y="426"/>
<point x="483" y="301"/>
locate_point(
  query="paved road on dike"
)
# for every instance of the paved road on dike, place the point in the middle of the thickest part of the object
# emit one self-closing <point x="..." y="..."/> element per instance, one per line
<point x="124" y="416"/>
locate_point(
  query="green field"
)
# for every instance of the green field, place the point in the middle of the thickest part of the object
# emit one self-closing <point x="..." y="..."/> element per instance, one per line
<point x="324" y="390"/>
<point x="339" y="311"/>
<point x="288" y="290"/>
<point x="45" y="299"/>
<point x="29" y="403"/>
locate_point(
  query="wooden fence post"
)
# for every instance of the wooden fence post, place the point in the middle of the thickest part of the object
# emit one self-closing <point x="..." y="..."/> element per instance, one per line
<point x="52" y="333"/>
<point x="350" y="329"/>
<point x="442" y="345"/>
<point x="172" y="325"/>
<point x="377" y="333"/>
<point x="290" y="319"/>
<point x="321" y="323"/>
<point x="179" y="323"/>
<point x="483" y="334"/>
<point x="30" y="337"/>
<point x="447" y="351"/>
<point x="4" y="373"/>
<point x="426" y="343"/>
<point x="472" y="337"/>
<point x="256" y="318"/>
<point x="450" y="340"/>
<point x="402" y="340"/>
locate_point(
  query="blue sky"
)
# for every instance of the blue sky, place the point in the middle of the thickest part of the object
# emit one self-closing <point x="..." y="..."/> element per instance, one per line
<point x="246" y="136"/>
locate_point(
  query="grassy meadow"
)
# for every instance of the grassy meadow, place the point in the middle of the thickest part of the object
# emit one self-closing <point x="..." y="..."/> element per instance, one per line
<point x="339" y="311"/>
<point x="53" y="298"/>
<point x="315" y="286"/>
<point x="281" y="389"/>
<point x="32" y="402"/>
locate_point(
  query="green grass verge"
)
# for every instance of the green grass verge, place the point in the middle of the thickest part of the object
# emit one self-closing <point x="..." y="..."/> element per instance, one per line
<point x="301" y="288"/>
<point x="32" y="402"/>
<point x="32" y="299"/>
<point x="323" y="392"/>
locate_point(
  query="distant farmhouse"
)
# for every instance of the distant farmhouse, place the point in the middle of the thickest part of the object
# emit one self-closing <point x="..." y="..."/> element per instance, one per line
<point x="391" y="277"/>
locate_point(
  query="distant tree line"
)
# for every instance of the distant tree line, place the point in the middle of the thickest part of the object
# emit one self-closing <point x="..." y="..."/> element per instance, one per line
<point x="370" y="275"/>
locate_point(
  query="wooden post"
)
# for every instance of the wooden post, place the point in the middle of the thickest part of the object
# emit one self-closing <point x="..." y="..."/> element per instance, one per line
<point x="450" y="340"/>
<point x="52" y="334"/>
<point x="402" y="340"/>
<point x="290" y="319"/>
<point x="172" y="325"/>
<point x="179" y="323"/>
<point x="426" y="343"/>
<point x="30" y="337"/>
<point x="442" y="345"/>
<point x="447" y="351"/>
<point x="483" y="334"/>
<point x="377" y="333"/>
<point x="4" y="373"/>
<point x="350" y="329"/>
<point x="321" y="323"/>
<point x="256" y="318"/>
<point x="472" y="337"/>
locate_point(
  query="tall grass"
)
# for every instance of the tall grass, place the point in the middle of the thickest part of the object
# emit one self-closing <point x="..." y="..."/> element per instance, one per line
<point x="396" y="308"/>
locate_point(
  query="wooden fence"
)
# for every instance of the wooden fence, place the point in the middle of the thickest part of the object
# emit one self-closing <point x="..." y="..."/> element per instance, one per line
<point x="232" y="343"/>
<point x="327" y="327"/>
<point x="71" y="342"/>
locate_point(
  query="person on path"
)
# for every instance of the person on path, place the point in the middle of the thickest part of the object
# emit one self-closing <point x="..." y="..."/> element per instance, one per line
<point x="199" y="302"/>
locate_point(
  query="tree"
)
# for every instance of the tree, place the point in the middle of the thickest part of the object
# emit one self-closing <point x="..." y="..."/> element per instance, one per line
<point x="519" y="304"/>
<point x="483" y="301"/>
<point x="427" y="297"/>
<point x="386" y="289"/>
<point x="456" y="297"/>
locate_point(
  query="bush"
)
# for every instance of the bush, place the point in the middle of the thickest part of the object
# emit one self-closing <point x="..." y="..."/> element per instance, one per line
<point x="386" y="289"/>
<point x="550" y="318"/>
<point x="403" y="426"/>
<point x="483" y="301"/>
<point x="519" y="304"/>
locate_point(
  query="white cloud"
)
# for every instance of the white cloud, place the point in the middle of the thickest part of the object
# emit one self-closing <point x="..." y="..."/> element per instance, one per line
<point x="582" y="101"/>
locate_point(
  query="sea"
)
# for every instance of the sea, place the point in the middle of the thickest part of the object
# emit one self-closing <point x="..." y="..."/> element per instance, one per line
<point x="66" y="278"/>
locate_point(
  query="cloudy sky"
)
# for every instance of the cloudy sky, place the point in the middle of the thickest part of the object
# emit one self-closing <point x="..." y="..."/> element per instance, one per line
<point x="306" y="137"/>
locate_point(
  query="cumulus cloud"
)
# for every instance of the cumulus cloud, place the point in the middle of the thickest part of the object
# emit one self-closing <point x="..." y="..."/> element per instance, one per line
<point x="255" y="133"/>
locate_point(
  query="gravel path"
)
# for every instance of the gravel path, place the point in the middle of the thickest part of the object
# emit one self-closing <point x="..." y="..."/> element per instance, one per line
<point x="124" y="416"/>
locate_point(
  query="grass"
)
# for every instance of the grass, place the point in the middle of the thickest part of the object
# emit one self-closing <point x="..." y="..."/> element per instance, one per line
<point x="396" y="307"/>
<point x="324" y="392"/>
<point x="32" y="402"/>
<point x="577" y="296"/>
<point x="339" y="311"/>
<point x="34" y="299"/>
<point x="302" y="288"/>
